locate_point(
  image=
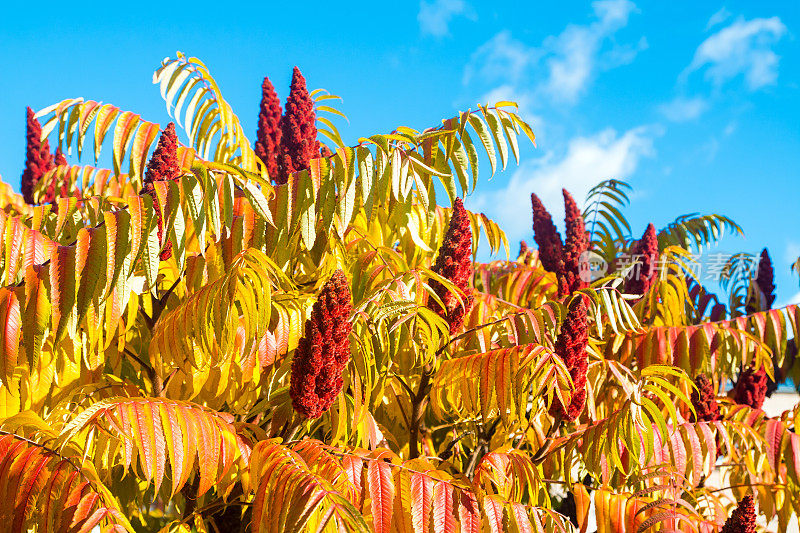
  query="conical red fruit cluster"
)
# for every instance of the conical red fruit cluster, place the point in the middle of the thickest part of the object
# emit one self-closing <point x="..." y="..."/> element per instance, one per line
<point x="323" y="351"/>
<point x="38" y="159"/>
<point x="704" y="400"/>
<point x="298" y="130"/>
<point x="751" y="387"/>
<point x="743" y="518"/>
<point x="454" y="263"/>
<point x="163" y="166"/>
<point x="56" y="189"/>
<point x="765" y="279"/>
<point x="765" y="284"/>
<point x="268" y="136"/>
<point x="644" y="255"/>
<point x="525" y="254"/>
<point x="570" y="345"/>
<point x="575" y="244"/>
<point x="551" y="249"/>
<point x="561" y="258"/>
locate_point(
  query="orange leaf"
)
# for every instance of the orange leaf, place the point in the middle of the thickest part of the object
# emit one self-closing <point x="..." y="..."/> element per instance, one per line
<point x="421" y="504"/>
<point x="381" y="491"/>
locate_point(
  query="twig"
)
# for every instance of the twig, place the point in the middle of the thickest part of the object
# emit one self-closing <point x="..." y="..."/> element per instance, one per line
<point x="136" y="358"/>
<point x="418" y="402"/>
<point x="169" y="378"/>
<point x="540" y="454"/>
<point x="152" y="375"/>
<point x="484" y="441"/>
<point x="189" y="493"/>
<point x="291" y="428"/>
<point x="445" y="455"/>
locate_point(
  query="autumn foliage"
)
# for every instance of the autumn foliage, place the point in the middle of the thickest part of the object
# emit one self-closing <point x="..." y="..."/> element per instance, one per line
<point x="223" y="336"/>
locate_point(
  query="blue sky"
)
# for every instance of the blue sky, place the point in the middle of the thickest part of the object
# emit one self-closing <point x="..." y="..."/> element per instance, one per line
<point x="696" y="104"/>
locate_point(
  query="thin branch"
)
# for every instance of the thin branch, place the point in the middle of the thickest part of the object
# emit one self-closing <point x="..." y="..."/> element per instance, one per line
<point x="172" y="288"/>
<point x="418" y="402"/>
<point x="152" y="375"/>
<point x="136" y="358"/>
<point x="477" y="328"/>
<point x="445" y="455"/>
<point x="169" y="378"/>
<point x="405" y="385"/>
<point x="484" y="440"/>
<point x="542" y="452"/>
<point x="147" y="319"/>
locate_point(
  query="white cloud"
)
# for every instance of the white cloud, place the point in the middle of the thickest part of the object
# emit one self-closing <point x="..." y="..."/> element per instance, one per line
<point x="565" y="62"/>
<point x="501" y="57"/>
<point x="792" y="251"/>
<point x="434" y="17"/>
<point x="717" y="18"/>
<point x="587" y="161"/>
<point x="684" y="109"/>
<point x="572" y="55"/>
<point x="742" y="48"/>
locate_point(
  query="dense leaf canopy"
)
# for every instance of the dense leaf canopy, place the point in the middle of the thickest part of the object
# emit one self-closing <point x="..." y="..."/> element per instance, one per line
<point x="320" y="351"/>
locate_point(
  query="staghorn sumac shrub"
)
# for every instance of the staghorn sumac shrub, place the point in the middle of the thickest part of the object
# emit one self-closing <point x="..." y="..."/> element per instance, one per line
<point x="319" y="352"/>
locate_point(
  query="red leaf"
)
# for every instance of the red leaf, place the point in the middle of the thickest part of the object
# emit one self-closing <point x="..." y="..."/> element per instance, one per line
<point x="468" y="513"/>
<point x="493" y="510"/>
<point x="381" y="490"/>
<point x="421" y="501"/>
<point x="443" y="518"/>
<point x="774" y="437"/>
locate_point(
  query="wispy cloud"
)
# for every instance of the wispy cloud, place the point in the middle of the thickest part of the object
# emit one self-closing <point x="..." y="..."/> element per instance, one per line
<point x="572" y="55"/>
<point x="792" y="251"/>
<point x="434" y="17"/>
<point x="566" y="62"/>
<point x="717" y="18"/>
<point x="587" y="161"/>
<point x="501" y="57"/>
<point x="741" y="48"/>
<point x="683" y="109"/>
